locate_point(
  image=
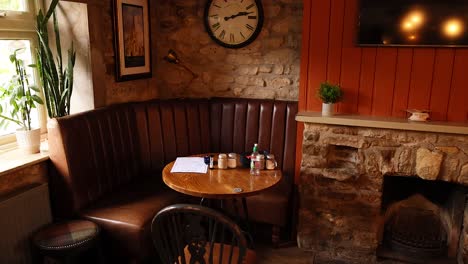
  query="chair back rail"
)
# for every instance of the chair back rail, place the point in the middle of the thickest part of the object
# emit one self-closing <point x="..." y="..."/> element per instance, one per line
<point x="187" y="233"/>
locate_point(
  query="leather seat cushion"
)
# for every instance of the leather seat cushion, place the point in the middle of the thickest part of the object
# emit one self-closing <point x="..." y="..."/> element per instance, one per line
<point x="270" y="206"/>
<point x="125" y="216"/>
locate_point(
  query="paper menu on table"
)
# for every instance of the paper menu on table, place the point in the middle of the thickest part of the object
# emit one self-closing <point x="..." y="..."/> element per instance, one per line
<point x="189" y="164"/>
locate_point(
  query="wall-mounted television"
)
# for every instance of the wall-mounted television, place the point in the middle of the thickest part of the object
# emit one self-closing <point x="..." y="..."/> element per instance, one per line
<point x="413" y="23"/>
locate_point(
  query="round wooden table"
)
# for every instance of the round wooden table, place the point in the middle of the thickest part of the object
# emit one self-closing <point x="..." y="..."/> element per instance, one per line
<point x="221" y="184"/>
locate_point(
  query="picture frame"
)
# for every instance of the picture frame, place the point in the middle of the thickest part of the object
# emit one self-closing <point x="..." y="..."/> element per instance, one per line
<point x="132" y="43"/>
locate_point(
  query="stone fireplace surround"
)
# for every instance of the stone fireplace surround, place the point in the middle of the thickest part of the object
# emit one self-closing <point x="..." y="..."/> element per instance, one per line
<point x="341" y="184"/>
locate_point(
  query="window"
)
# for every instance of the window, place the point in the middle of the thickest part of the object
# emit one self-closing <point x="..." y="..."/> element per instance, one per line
<point x="7" y="70"/>
<point x="17" y="31"/>
<point x="13" y="5"/>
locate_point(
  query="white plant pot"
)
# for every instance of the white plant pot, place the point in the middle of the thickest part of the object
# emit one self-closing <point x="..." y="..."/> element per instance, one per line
<point x="29" y="141"/>
<point x="328" y="109"/>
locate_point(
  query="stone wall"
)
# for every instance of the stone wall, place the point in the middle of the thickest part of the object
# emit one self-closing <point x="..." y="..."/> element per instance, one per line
<point x="342" y="180"/>
<point x="267" y="68"/>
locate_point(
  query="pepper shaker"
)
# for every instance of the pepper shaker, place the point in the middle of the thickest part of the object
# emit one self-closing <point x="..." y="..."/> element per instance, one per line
<point x="232" y="160"/>
<point x="222" y="161"/>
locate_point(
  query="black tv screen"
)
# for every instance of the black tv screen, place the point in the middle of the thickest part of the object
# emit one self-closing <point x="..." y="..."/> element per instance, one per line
<point x="413" y="22"/>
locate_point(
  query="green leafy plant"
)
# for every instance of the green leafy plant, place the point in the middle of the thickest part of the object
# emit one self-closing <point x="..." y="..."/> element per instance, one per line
<point x="19" y="96"/>
<point x="330" y="93"/>
<point x="56" y="79"/>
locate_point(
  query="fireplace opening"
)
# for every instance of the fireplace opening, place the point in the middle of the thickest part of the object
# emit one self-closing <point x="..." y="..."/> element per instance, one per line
<point x="422" y="220"/>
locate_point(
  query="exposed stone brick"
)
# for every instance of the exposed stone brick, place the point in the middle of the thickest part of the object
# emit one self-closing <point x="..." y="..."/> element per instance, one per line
<point x="272" y="10"/>
<point x="338" y="174"/>
<point x="239" y="59"/>
<point x="273" y="43"/>
<point x="280" y="56"/>
<point x="247" y="70"/>
<point x="464" y="174"/>
<point x="279" y="82"/>
<point x="251" y="81"/>
<point x="215" y="52"/>
<point x="278" y="70"/>
<point x="404" y="161"/>
<point x="340" y="140"/>
<point x="449" y="150"/>
<point x="223" y="79"/>
<point x="286" y="25"/>
<point x="428" y="164"/>
<point x="265" y="68"/>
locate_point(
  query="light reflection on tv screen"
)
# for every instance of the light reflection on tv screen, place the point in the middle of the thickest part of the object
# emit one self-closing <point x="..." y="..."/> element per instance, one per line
<point x="413" y="22"/>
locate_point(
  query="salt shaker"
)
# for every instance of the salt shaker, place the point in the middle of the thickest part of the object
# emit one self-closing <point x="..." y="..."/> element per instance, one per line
<point x="222" y="161"/>
<point x="261" y="161"/>
<point x="271" y="163"/>
<point x="232" y="160"/>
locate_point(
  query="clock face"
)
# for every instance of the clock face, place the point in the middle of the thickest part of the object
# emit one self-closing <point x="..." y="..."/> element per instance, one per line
<point x="233" y="23"/>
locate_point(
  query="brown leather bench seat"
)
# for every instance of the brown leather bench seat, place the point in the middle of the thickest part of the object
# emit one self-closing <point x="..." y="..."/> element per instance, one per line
<point x="109" y="160"/>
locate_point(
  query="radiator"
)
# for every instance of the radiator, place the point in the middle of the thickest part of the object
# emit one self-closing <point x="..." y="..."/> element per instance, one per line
<point x="20" y="216"/>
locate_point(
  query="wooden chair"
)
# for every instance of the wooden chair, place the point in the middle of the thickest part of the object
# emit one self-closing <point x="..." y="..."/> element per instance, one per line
<point x="187" y="233"/>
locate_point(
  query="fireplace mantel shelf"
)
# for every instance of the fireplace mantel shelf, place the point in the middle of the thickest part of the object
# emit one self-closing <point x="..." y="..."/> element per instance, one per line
<point x="383" y="122"/>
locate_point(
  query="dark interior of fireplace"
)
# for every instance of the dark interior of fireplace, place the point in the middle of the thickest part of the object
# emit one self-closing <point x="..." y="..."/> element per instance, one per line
<point x="422" y="220"/>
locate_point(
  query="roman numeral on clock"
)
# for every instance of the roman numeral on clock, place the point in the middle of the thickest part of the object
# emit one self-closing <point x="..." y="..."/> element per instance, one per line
<point x="231" y="37"/>
<point x="249" y="27"/>
<point x="250" y="6"/>
<point x="215" y="26"/>
<point x="221" y="35"/>
<point x="252" y="17"/>
<point x="242" y="35"/>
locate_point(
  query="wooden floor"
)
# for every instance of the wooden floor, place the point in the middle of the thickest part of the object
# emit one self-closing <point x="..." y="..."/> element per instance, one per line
<point x="293" y="255"/>
<point x="289" y="255"/>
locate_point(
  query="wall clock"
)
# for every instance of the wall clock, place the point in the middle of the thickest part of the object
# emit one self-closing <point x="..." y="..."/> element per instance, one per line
<point x="233" y="23"/>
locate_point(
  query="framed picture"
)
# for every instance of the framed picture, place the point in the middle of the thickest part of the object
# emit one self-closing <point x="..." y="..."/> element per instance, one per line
<point x="132" y="39"/>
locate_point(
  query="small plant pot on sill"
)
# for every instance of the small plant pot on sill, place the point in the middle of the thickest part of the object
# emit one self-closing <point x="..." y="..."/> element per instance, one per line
<point x="328" y="109"/>
<point x="29" y="141"/>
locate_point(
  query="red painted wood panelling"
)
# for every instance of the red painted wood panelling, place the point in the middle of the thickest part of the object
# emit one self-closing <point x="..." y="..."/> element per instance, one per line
<point x="385" y="69"/>
<point x="421" y="78"/>
<point x="458" y="103"/>
<point x="402" y="81"/>
<point x="350" y="60"/>
<point x="440" y="93"/>
<point x="380" y="81"/>
<point x="335" y="41"/>
<point x="366" y="85"/>
<point x="318" y="50"/>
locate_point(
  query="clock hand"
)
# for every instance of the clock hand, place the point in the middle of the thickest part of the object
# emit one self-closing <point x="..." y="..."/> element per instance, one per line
<point x="236" y="15"/>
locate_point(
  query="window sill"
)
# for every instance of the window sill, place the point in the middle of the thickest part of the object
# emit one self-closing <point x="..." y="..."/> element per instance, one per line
<point x="14" y="160"/>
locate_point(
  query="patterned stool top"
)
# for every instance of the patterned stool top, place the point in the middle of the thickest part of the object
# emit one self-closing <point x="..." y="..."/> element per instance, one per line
<point x="66" y="235"/>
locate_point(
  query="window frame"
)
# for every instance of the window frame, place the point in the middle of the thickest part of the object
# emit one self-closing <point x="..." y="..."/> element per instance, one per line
<point x="22" y="25"/>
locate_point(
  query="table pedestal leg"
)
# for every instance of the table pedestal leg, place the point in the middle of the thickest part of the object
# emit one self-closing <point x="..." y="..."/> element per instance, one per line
<point x="248" y="229"/>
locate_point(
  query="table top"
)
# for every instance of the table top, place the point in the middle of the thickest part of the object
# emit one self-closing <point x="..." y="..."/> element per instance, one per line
<point x="219" y="183"/>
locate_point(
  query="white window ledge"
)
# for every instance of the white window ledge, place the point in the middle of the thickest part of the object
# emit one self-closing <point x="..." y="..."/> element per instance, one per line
<point x="14" y="160"/>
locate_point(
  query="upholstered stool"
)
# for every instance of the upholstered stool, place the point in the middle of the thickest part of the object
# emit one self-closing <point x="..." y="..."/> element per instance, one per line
<point x="68" y="240"/>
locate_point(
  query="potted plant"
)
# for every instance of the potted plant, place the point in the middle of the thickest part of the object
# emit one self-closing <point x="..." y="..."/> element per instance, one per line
<point x="56" y="77"/>
<point x="20" y="98"/>
<point x="329" y="94"/>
